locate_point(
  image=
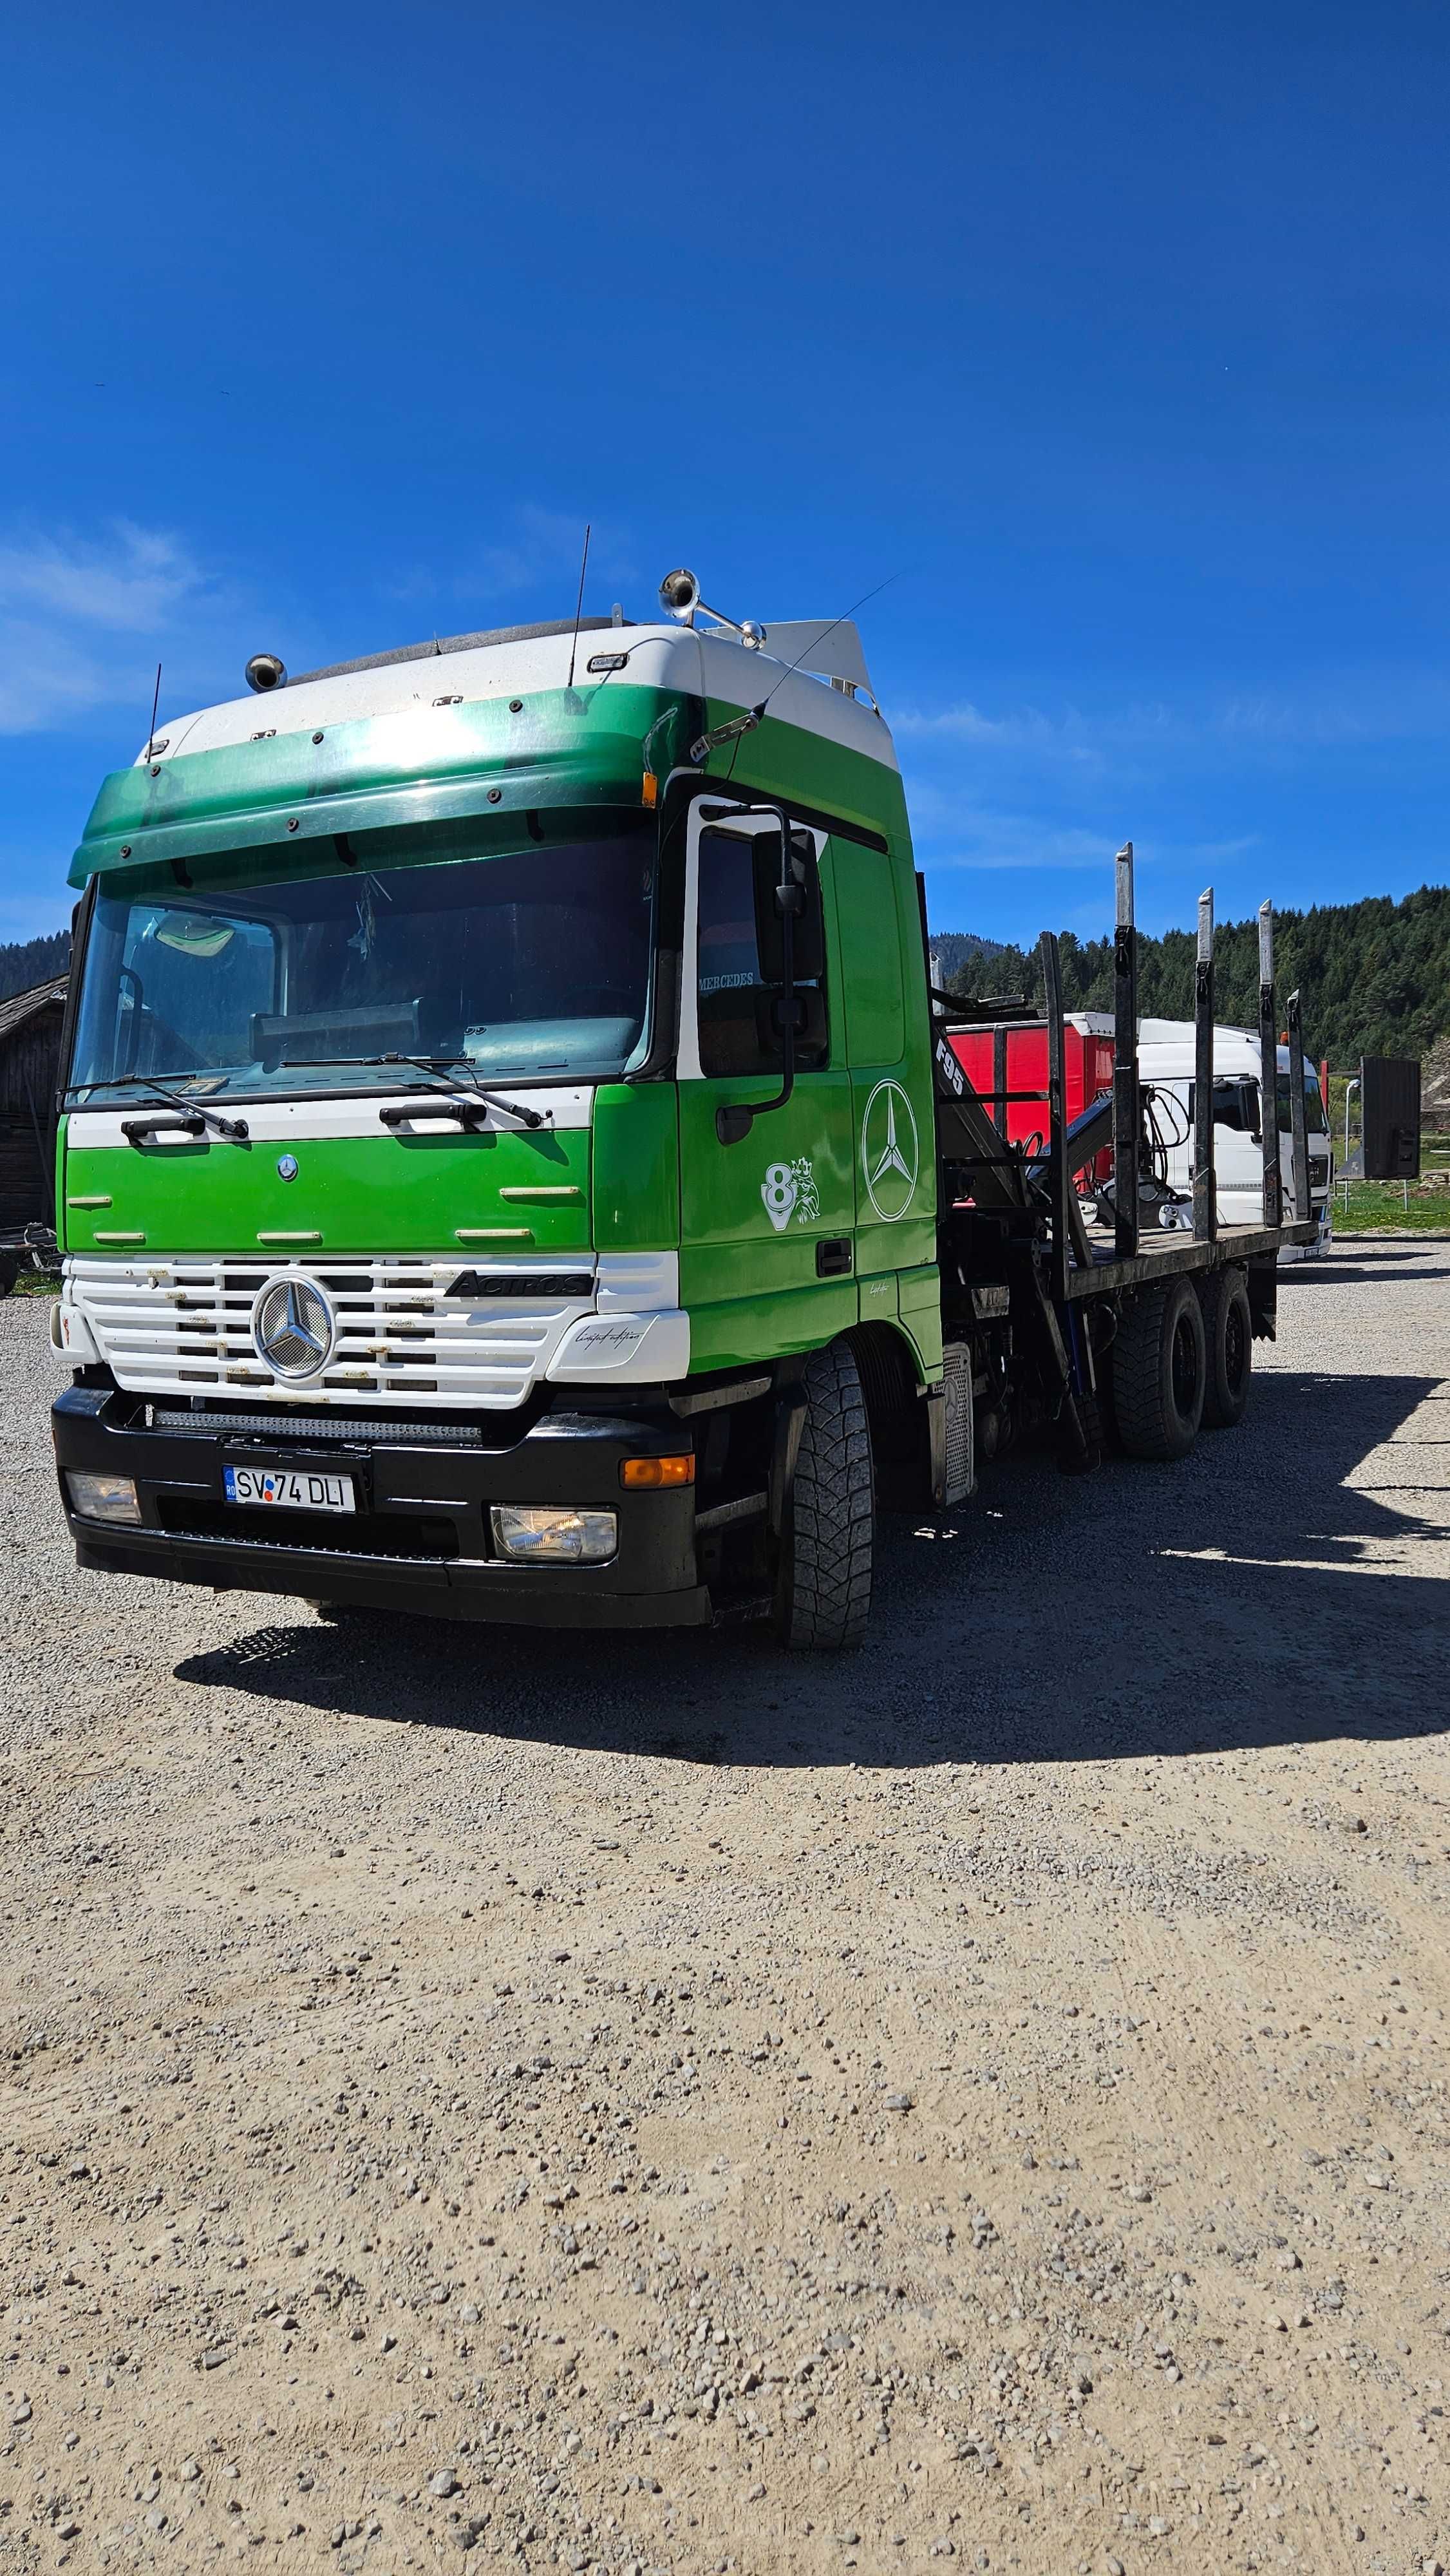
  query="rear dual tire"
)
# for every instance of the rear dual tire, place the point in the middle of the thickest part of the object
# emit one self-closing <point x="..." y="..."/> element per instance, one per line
<point x="1160" y="1369"/>
<point x="1182" y="1361"/>
<point x="1229" y="1337"/>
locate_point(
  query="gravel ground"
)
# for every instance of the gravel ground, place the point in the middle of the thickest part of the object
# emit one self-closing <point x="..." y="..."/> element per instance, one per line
<point x="662" y="2105"/>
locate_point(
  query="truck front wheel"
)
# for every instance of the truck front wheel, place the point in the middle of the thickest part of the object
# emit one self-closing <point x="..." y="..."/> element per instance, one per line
<point x="1229" y="1334"/>
<point x="823" y="1579"/>
<point x="1159" y="1371"/>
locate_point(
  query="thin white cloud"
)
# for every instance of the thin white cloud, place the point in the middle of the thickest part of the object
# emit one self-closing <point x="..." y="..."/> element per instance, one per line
<point x="85" y="618"/>
<point x="1339" y="710"/>
<point x="537" y="550"/>
<point x="45" y="677"/>
<point x="82" y="619"/>
<point x="132" y="581"/>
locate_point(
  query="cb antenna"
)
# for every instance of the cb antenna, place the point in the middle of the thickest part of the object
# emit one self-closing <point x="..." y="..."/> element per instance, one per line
<point x="155" y="703"/>
<point x="579" y="604"/>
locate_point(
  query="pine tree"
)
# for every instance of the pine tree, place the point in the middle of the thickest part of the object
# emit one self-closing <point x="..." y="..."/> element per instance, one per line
<point x="1374" y="976"/>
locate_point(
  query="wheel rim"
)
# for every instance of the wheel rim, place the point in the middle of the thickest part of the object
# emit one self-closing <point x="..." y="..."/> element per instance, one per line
<point x="1185" y="1368"/>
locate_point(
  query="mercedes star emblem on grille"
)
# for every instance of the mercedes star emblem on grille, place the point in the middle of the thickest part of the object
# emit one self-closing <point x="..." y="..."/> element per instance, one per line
<point x="293" y="1327"/>
<point x="286" y="1167"/>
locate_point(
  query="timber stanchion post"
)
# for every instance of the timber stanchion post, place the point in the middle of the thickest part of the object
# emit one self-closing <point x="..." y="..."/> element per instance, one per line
<point x="1298" y="1119"/>
<point x="1060" y="1178"/>
<point x="1125" y="1065"/>
<point x="1205" y="1197"/>
<point x="1268" y="1072"/>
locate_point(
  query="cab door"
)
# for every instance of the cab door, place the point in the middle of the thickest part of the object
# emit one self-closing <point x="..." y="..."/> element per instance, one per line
<point x="766" y="1222"/>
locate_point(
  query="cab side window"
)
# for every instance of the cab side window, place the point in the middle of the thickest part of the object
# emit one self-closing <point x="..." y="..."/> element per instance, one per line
<point x="738" y="1010"/>
<point x="1235" y="1105"/>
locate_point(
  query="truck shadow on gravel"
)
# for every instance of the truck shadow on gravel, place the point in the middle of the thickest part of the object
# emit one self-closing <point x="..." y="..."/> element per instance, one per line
<point x="1341" y="1271"/>
<point x="1240" y="1599"/>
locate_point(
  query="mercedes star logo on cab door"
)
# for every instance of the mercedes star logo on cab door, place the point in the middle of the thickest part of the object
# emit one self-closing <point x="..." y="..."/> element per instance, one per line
<point x="890" y="1153"/>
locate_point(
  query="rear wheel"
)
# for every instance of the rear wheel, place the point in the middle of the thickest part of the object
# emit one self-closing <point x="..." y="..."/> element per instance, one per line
<point x="1159" y="1371"/>
<point x="823" y="1580"/>
<point x="1229" y="1336"/>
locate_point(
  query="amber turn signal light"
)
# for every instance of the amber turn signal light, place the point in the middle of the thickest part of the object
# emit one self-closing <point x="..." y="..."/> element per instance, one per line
<point x="635" y="1474"/>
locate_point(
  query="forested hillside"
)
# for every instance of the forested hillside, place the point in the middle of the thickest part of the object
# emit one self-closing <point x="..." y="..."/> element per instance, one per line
<point x="953" y="949"/>
<point x="24" y="962"/>
<point x="1374" y="976"/>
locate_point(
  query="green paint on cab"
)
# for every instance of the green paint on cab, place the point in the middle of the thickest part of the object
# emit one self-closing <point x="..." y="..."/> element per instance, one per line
<point x="636" y="1168"/>
<point x="386" y="1193"/>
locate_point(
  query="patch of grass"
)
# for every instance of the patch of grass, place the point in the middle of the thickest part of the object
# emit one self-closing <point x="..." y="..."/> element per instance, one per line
<point x="1374" y="1205"/>
<point x="31" y="1283"/>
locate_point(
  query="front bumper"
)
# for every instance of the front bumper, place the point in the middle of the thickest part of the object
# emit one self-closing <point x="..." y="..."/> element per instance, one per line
<point x="420" y="1537"/>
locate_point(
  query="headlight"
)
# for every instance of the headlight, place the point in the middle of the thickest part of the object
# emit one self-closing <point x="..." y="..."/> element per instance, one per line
<point x="102" y="1498"/>
<point x="539" y="1534"/>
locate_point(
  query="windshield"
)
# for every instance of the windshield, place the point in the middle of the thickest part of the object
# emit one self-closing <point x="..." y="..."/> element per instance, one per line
<point x="532" y="966"/>
<point x="1315" y="1122"/>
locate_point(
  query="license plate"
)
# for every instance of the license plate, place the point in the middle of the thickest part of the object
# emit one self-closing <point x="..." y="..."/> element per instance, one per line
<point x="292" y="1489"/>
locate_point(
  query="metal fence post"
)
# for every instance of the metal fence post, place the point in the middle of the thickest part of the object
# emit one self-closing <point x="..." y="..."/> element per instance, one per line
<point x="1298" y="1121"/>
<point x="1060" y="1178"/>
<point x="1125" y="1064"/>
<point x="1269" y="1072"/>
<point x="1205" y="1202"/>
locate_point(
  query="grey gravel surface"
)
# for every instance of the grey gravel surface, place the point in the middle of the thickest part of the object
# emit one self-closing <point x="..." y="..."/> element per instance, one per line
<point x="666" y="2105"/>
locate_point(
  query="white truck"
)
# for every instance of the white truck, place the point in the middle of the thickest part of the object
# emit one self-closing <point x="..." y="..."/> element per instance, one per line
<point x="1166" y="1060"/>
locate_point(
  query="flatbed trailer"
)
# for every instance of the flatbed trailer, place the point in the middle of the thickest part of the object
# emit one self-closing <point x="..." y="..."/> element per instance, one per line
<point x="512" y="1163"/>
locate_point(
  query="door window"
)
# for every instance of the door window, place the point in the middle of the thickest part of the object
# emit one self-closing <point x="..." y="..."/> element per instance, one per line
<point x="1235" y="1105"/>
<point x="738" y="1011"/>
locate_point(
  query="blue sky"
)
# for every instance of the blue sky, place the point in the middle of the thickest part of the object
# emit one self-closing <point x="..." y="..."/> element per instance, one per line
<point x="1118" y="335"/>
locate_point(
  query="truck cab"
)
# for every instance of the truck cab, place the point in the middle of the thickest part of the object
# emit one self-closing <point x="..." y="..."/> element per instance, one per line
<point x="496" y="1072"/>
<point x="1166" y="1060"/>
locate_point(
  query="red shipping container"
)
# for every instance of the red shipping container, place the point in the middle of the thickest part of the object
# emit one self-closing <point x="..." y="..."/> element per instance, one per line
<point x="1011" y="1055"/>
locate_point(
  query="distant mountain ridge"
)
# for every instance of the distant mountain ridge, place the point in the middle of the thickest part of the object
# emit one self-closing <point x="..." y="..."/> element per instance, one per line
<point x="1374" y="976"/>
<point x="24" y="962"/>
<point x="953" y="948"/>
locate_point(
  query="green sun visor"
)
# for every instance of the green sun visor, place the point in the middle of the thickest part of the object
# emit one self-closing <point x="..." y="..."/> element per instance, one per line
<point x="496" y="759"/>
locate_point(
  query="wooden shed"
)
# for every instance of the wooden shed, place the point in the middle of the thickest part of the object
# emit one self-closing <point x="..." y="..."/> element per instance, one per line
<point x="29" y="1064"/>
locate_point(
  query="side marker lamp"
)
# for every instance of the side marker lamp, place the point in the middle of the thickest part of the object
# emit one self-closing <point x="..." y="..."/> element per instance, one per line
<point x="643" y="1475"/>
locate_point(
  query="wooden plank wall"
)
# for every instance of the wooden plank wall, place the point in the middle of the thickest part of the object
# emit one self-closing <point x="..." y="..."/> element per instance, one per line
<point x="29" y="1064"/>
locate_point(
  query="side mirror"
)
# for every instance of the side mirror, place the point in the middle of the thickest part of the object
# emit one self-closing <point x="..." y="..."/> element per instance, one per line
<point x="773" y="889"/>
<point x="790" y="945"/>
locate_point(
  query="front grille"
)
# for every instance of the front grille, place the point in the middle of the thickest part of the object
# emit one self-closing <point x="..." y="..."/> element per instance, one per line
<point x="311" y="1533"/>
<point x="183" y="1326"/>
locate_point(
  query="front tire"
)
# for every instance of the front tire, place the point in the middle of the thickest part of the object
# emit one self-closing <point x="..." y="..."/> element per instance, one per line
<point x="823" y="1582"/>
<point x="1229" y="1335"/>
<point x="1160" y="1371"/>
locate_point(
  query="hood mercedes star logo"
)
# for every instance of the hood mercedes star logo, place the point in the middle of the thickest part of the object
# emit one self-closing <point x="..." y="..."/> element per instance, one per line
<point x="286" y="1167"/>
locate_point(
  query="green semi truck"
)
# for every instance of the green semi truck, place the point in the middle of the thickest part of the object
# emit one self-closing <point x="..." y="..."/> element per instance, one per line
<point x="512" y="1164"/>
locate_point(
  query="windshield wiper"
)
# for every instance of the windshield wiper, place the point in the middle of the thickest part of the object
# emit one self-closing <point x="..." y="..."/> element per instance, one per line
<point x="430" y="1065"/>
<point x="236" y="1128"/>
